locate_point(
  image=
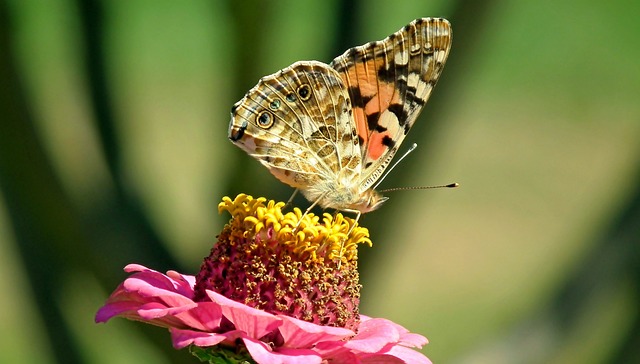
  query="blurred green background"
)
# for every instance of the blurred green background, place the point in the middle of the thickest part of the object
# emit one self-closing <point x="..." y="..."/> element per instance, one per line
<point x="113" y="150"/>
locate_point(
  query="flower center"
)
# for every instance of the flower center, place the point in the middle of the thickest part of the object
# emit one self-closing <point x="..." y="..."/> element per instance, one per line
<point x="286" y="263"/>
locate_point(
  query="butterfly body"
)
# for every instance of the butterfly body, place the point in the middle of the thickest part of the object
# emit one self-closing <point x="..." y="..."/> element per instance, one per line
<point x="331" y="130"/>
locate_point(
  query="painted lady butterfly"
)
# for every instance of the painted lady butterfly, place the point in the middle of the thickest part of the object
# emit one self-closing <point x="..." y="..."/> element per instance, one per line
<point x="330" y="131"/>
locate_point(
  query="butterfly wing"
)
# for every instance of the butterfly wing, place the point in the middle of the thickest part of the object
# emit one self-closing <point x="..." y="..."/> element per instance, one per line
<point x="389" y="82"/>
<point x="298" y="123"/>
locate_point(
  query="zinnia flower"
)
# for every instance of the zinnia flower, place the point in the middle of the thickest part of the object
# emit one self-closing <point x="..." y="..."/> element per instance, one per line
<point x="276" y="288"/>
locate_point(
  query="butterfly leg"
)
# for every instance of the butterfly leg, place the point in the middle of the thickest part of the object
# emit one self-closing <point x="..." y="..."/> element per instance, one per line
<point x="308" y="210"/>
<point x="290" y="201"/>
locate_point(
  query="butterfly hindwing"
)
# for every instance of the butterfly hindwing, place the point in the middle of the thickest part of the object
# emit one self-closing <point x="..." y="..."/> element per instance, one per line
<point x="389" y="82"/>
<point x="298" y="123"/>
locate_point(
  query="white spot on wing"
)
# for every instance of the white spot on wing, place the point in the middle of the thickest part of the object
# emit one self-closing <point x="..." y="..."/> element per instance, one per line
<point x="413" y="79"/>
<point x="308" y="126"/>
<point x="423" y="89"/>
<point x="389" y="120"/>
<point x="401" y="58"/>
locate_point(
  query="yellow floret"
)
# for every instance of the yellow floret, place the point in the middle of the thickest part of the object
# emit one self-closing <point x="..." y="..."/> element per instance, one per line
<point x="304" y="234"/>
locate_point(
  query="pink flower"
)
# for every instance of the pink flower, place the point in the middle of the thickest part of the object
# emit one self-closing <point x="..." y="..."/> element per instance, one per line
<point x="276" y="288"/>
<point x="167" y="301"/>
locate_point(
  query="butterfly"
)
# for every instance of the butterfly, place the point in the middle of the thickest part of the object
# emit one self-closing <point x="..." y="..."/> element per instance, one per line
<point x="331" y="130"/>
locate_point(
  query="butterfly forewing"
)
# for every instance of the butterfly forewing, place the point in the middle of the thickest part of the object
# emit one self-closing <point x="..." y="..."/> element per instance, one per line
<point x="389" y="82"/>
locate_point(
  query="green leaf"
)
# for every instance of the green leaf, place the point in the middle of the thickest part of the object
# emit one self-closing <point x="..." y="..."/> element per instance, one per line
<point x="221" y="355"/>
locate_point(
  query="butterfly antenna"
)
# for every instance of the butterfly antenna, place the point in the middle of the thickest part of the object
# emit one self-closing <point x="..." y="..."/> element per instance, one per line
<point x="450" y="185"/>
<point x="411" y="149"/>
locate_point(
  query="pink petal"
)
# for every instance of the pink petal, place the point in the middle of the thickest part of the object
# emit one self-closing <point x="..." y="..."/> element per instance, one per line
<point x="373" y="335"/>
<point x="154" y="310"/>
<point x="413" y="340"/>
<point x="262" y="353"/>
<point x="383" y="359"/>
<point x="124" y="309"/>
<point x="343" y="357"/>
<point x="398" y="354"/>
<point x="302" y="334"/>
<point x="157" y="279"/>
<point x="184" y="283"/>
<point x="184" y="338"/>
<point x="203" y="316"/>
<point x="135" y="268"/>
<point x="406" y="338"/>
<point x="159" y="299"/>
<point x="256" y="323"/>
<point x="148" y="285"/>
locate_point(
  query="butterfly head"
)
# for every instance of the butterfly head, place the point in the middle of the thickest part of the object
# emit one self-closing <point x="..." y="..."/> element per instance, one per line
<point x="370" y="200"/>
<point x="343" y="198"/>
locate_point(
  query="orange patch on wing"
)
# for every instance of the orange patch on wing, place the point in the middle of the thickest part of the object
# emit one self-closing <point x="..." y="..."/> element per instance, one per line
<point x="370" y="80"/>
<point x="376" y="148"/>
<point x="381" y="94"/>
<point x="365" y="75"/>
<point x="381" y="101"/>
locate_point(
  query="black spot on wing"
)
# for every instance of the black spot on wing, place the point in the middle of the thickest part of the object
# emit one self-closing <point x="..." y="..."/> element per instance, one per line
<point x="237" y="134"/>
<point x="357" y="100"/>
<point x="388" y="141"/>
<point x="400" y="113"/>
<point x="390" y="73"/>
<point x="407" y="127"/>
<point x="412" y="98"/>
<point x="372" y="120"/>
<point x="387" y="74"/>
